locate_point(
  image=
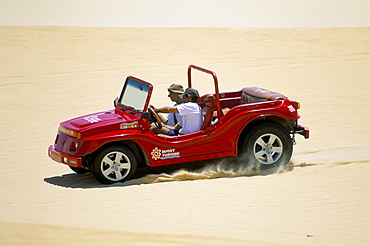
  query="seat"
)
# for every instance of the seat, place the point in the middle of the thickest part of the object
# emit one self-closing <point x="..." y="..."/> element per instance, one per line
<point x="256" y="94"/>
<point x="208" y="116"/>
<point x="208" y="110"/>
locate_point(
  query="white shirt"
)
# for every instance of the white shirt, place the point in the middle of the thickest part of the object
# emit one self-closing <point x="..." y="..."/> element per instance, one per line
<point x="191" y="118"/>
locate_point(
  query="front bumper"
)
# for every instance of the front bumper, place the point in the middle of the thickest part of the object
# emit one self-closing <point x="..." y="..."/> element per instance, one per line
<point x="302" y="130"/>
<point x="60" y="157"/>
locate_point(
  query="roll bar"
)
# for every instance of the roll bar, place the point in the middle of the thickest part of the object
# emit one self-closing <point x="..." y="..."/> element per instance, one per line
<point x="217" y="93"/>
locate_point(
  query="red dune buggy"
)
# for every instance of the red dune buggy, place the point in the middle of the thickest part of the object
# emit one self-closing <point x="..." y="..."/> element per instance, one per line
<point x="256" y="124"/>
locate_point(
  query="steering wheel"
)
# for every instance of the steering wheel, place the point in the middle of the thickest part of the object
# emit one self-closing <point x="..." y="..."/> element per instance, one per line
<point x="157" y="120"/>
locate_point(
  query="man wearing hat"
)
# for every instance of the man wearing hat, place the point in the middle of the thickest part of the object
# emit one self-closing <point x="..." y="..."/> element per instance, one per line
<point x="173" y="118"/>
<point x="173" y="93"/>
<point x="190" y="113"/>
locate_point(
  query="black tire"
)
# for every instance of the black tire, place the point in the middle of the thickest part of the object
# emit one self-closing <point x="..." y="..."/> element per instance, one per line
<point x="114" y="164"/>
<point x="79" y="170"/>
<point x="268" y="145"/>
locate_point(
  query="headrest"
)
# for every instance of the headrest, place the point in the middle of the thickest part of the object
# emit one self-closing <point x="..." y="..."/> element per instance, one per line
<point x="256" y="94"/>
<point x="208" y="99"/>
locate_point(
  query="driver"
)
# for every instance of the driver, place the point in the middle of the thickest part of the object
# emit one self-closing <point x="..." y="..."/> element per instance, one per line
<point x="190" y="113"/>
<point x="173" y="118"/>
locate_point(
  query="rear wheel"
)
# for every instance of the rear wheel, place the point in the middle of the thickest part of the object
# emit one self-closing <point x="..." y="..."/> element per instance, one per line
<point x="267" y="146"/>
<point x="114" y="164"/>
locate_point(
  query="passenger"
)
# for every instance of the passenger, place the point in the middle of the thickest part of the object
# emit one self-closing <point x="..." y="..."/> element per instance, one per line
<point x="190" y="113"/>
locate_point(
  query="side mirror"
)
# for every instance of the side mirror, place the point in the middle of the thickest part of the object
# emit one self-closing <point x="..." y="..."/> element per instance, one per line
<point x="115" y="102"/>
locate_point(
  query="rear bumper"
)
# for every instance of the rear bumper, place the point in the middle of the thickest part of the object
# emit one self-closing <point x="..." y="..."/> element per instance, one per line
<point x="302" y="130"/>
<point x="60" y="157"/>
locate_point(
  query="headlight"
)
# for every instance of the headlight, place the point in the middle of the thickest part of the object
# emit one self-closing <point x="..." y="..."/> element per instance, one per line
<point x="296" y="105"/>
<point x="69" y="132"/>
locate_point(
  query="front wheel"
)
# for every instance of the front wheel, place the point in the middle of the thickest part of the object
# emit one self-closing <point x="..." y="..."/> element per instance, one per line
<point x="267" y="146"/>
<point x="114" y="164"/>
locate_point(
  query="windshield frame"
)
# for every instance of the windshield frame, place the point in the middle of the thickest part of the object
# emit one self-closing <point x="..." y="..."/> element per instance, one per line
<point x="133" y="81"/>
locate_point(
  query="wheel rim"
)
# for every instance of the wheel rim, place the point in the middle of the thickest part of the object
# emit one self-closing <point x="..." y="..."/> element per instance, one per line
<point x="115" y="166"/>
<point x="268" y="149"/>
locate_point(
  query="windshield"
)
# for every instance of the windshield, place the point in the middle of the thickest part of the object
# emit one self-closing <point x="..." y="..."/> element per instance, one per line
<point x="134" y="94"/>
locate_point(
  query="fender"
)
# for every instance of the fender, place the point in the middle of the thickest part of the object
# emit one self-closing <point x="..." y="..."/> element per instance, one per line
<point x="92" y="143"/>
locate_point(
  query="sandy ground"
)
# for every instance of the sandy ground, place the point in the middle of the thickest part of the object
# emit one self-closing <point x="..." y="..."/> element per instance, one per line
<point x="50" y="74"/>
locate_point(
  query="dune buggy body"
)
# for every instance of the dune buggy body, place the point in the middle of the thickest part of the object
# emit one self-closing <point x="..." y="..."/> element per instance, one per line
<point x="256" y="124"/>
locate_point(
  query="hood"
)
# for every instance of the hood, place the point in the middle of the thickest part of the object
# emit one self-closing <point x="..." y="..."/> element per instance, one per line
<point x="101" y="122"/>
<point x="93" y="119"/>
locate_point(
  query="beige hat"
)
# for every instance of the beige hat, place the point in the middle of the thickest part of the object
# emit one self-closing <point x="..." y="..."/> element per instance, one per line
<point x="176" y="88"/>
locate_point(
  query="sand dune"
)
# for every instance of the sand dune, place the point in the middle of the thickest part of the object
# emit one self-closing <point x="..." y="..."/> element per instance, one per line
<point x="50" y="74"/>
